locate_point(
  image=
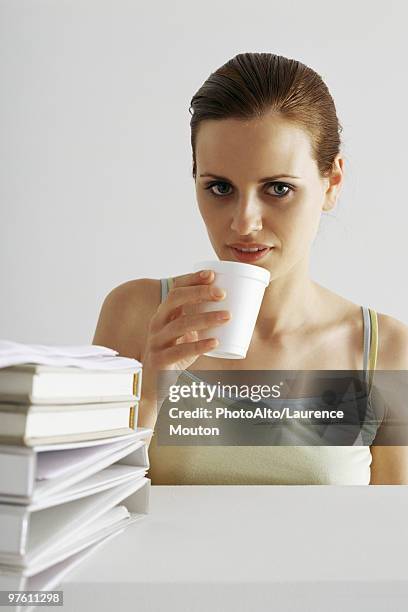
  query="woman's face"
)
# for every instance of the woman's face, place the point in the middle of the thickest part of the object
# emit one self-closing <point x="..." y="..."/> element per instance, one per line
<point x="258" y="182"/>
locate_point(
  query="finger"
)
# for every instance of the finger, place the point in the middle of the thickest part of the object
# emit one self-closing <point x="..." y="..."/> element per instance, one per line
<point x="183" y="296"/>
<point x="185" y="350"/>
<point x="190" y="336"/>
<point x="189" y="323"/>
<point x="192" y="278"/>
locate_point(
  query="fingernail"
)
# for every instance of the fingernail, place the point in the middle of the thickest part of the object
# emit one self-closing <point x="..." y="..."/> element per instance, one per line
<point x="217" y="292"/>
<point x="224" y="315"/>
<point x="205" y="273"/>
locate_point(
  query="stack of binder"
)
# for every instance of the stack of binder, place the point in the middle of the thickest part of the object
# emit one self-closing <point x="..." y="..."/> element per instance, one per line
<point x="73" y="462"/>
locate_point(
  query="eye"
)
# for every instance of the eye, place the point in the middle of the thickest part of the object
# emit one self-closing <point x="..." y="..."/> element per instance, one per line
<point x="279" y="187"/>
<point x="215" y="184"/>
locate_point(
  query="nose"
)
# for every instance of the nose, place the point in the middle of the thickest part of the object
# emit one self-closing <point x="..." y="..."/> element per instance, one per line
<point x="247" y="217"/>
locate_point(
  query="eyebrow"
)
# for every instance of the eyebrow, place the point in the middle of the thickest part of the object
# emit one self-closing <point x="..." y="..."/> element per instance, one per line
<point x="262" y="180"/>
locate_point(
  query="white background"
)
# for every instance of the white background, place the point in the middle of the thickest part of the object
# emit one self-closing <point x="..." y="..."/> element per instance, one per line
<point x="95" y="157"/>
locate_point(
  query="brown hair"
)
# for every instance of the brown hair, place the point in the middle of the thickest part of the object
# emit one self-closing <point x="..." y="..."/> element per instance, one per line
<point x="251" y="85"/>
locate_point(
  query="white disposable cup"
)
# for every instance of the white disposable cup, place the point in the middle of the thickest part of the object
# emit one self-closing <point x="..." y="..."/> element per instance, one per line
<point x="245" y="286"/>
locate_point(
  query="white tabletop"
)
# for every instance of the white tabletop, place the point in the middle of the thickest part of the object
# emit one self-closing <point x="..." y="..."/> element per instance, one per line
<point x="235" y="547"/>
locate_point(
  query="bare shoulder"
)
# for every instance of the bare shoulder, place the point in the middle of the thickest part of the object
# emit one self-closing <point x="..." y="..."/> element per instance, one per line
<point x="392" y="333"/>
<point x="125" y="315"/>
<point x="392" y="343"/>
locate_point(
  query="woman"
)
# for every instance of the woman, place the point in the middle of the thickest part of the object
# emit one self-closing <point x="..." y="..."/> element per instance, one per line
<point x="266" y="164"/>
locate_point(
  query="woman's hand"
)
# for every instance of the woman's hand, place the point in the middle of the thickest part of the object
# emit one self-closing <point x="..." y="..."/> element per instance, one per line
<point x="172" y="341"/>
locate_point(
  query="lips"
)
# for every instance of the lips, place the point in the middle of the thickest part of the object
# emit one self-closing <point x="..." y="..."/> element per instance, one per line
<point x="249" y="257"/>
<point x="249" y="245"/>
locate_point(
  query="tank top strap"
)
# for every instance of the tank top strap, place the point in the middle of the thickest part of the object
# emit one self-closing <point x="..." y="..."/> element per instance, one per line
<point x="367" y="336"/>
<point x="166" y="285"/>
<point x="370" y="344"/>
<point x="372" y="359"/>
<point x="164" y="289"/>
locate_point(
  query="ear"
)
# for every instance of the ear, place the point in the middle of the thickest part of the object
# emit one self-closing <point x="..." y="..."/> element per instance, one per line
<point x="335" y="181"/>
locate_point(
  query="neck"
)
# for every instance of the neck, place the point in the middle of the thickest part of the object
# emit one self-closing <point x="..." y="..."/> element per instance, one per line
<point x="289" y="302"/>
